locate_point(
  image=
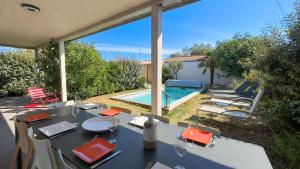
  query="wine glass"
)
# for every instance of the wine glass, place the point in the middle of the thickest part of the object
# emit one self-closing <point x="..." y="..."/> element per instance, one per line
<point x="115" y="123"/>
<point x="180" y="149"/>
<point x="191" y="142"/>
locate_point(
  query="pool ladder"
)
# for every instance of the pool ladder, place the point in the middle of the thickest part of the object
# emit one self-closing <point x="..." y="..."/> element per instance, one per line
<point x="167" y="102"/>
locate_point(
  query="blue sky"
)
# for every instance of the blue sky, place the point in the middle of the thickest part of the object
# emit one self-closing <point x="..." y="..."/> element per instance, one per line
<point x="205" y="21"/>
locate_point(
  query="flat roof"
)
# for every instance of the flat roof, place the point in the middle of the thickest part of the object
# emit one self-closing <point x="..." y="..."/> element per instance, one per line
<point x="68" y="20"/>
<point x="177" y="59"/>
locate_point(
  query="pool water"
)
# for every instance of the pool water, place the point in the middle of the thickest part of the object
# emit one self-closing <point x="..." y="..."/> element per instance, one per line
<point x="173" y="93"/>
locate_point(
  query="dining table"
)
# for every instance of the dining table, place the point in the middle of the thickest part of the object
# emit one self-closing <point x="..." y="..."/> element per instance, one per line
<point x="224" y="153"/>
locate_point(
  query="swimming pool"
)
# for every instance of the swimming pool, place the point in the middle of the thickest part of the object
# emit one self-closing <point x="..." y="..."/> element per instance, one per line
<point x="171" y="96"/>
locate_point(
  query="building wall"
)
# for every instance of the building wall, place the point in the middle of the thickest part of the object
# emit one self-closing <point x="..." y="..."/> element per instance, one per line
<point x="191" y="71"/>
<point x="146" y="72"/>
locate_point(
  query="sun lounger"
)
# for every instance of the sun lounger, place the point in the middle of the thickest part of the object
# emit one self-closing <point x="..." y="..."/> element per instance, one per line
<point x="230" y="102"/>
<point x="236" y="113"/>
<point x="238" y="90"/>
<point x="247" y="95"/>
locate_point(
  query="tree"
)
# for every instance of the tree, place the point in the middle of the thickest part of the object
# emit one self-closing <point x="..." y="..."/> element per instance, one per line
<point x="201" y="49"/>
<point x="196" y="49"/>
<point x="175" y="67"/>
<point x="208" y="63"/>
<point x="166" y="72"/>
<point x="229" y="55"/>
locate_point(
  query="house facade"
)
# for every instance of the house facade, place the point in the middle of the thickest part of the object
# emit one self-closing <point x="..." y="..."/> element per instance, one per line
<point x="190" y="70"/>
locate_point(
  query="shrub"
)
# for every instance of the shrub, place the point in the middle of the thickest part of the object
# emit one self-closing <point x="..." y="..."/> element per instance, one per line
<point x="85" y="70"/>
<point x="87" y="74"/>
<point x="84" y="67"/>
<point x="229" y="55"/>
<point x="277" y="67"/>
<point x="123" y="74"/>
<point x="17" y="72"/>
<point x="287" y="150"/>
<point x="141" y="82"/>
<point x="49" y="64"/>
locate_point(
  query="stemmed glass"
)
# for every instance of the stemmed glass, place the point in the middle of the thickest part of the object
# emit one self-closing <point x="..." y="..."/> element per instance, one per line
<point x="180" y="149"/>
<point x="114" y="126"/>
<point x="191" y="142"/>
<point x="76" y="106"/>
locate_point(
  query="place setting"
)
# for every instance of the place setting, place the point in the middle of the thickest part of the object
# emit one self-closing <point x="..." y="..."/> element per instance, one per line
<point x="37" y="117"/>
<point x="94" y="150"/>
<point x="98" y="148"/>
<point x="110" y="112"/>
<point x="197" y="136"/>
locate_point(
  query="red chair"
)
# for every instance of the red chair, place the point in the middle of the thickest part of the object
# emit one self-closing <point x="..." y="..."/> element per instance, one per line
<point x="38" y="96"/>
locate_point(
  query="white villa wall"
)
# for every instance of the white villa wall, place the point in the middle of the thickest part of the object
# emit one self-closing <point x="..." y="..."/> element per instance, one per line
<point x="191" y="71"/>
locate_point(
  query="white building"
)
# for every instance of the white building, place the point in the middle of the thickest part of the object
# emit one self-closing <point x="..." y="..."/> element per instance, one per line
<point x="190" y="70"/>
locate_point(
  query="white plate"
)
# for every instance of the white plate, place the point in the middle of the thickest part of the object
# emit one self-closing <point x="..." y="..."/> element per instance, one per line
<point x="87" y="106"/>
<point x="98" y="124"/>
<point x="57" y="128"/>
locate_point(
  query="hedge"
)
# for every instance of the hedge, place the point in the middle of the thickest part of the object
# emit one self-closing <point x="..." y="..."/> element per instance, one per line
<point x="17" y="72"/>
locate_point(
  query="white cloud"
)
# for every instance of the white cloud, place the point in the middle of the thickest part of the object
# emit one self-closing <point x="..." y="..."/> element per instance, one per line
<point x="130" y="49"/>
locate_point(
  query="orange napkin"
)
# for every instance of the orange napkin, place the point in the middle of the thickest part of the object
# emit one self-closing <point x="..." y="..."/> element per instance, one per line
<point x="111" y="112"/>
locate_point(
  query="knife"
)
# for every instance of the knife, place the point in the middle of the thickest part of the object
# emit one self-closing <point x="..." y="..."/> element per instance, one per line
<point x="106" y="159"/>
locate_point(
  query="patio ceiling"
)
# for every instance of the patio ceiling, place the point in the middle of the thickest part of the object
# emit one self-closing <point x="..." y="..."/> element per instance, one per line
<point x="68" y="20"/>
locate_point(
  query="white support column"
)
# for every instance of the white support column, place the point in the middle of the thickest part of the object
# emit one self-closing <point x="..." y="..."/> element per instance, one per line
<point x="63" y="81"/>
<point x="156" y="57"/>
<point x="36" y="59"/>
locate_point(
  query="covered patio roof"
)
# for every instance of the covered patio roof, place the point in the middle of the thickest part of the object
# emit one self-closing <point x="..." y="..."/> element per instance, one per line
<point x="68" y="20"/>
<point x="33" y="24"/>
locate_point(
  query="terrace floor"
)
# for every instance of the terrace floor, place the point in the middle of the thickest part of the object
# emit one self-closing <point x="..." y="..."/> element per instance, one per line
<point x="7" y="112"/>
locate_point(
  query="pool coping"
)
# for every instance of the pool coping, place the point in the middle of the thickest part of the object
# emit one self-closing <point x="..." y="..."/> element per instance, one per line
<point x="171" y="107"/>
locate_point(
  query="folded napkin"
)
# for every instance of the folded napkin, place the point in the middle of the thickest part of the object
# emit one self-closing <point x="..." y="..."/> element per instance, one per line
<point x="139" y="121"/>
<point x="111" y="112"/>
<point x="197" y="135"/>
<point x="34" y="117"/>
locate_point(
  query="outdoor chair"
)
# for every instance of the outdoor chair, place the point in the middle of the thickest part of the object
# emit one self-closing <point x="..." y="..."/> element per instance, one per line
<point x="43" y="157"/>
<point x="214" y="131"/>
<point x="238" y="90"/>
<point x="235" y="113"/>
<point x="160" y="118"/>
<point x="61" y="104"/>
<point x="24" y="147"/>
<point x="60" y="161"/>
<point x="122" y="109"/>
<point x="38" y="96"/>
